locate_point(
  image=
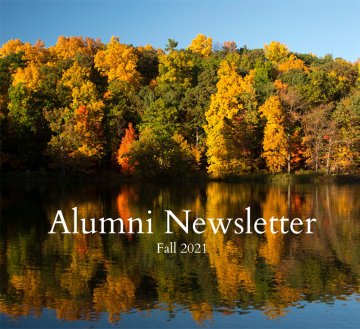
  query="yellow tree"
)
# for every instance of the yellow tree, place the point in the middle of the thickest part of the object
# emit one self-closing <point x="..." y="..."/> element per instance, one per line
<point x="224" y="157"/>
<point x="293" y="63"/>
<point x="175" y="69"/>
<point x="37" y="53"/>
<point x="274" y="143"/>
<point x="36" y="56"/>
<point x="76" y="81"/>
<point x="84" y="115"/>
<point x="68" y="47"/>
<point x="201" y="45"/>
<point x="118" y="61"/>
<point x="87" y="136"/>
<point x="12" y="47"/>
<point x="30" y="76"/>
<point x="276" y="52"/>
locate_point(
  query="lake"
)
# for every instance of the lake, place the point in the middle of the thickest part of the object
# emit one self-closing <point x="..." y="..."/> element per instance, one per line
<point x="222" y="280"/>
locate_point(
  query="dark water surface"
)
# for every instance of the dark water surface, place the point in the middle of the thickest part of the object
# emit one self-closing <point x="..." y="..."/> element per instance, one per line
<point x="243" y="280"/>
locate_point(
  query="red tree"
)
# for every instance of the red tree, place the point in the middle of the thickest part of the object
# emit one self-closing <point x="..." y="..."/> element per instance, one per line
<point x="126" y="142"/>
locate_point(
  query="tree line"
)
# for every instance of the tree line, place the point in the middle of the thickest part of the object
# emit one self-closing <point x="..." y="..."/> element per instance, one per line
<point x="84" y="106"/>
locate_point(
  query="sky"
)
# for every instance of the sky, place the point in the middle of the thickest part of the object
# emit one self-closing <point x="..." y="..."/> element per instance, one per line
<point x="321" y="27"/>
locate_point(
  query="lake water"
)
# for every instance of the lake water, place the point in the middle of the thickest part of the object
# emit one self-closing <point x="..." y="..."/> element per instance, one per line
<point x="241" y="280"/>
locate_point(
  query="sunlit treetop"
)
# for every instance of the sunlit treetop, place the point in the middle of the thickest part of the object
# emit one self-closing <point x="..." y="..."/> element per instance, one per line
<point x="175" y="68"/>
<point x="276" y="52"/>
<point x="147" y="47"/>
<point x="201" y="45"/>
<point x="12" y="47"/>
<point x="230" y="46"/>
<point x="37" y="53"/>
<point x="293" y="63"/>
<point x="76" y="80"/>
<point x="68" y="47"/>
<point x="30" y="76"/>
<point x="118" y="61"/>
<point x="36" y="56"/>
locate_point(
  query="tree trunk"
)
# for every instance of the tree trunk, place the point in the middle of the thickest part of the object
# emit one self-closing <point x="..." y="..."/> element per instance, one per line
<point x="289" y="201"/>
<point x="328" y="158"/>
<point x="288" y="143"/>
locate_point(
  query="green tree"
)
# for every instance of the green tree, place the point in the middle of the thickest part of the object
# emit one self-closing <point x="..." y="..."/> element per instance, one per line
<point x="161" y="121"/>
<point x="171" y="45"/>
<point x="322" y="88"/>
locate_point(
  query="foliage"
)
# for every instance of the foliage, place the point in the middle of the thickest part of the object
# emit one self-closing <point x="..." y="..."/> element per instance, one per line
<point x="118" y="61"/>
<point x="324" y="87"/>
<point x="201" y="45"/>
<point x="276" y="52"/>
<point x="274" y="143"/>
<point x="210" y="106"/>
<point x="175" y="69"/>
<point x="293" y="63"/>
<point x="318" y="126"/>
<point x="171" y="45"/>
<point x="126" y="142"/>
<point x="225" y="156"/>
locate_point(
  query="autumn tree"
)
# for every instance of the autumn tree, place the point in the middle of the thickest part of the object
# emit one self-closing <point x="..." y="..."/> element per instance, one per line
<point x="12" y="47"/>
<point x="292" y="101"/>
<point x="318" y="128"/>
<point x="276" y="52"/>
<point x="126" y="142"/>
<point x="68" y="47"/>
<point x="175" y="70"/>
<point x="87" y="136"/>
<point x="235" y="97"/>
<point x="79" y="89"/>
<point x="293" y="63"/>
<point x="118" y="61"/>
<point x="274" y="142"/>
<point x="229" y="46"/>
<point x="59" y="147"/>
<point x="201" y="45"/>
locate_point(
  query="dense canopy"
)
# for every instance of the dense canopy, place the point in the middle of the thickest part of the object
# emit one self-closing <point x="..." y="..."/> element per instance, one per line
<point x="84" y="106"/>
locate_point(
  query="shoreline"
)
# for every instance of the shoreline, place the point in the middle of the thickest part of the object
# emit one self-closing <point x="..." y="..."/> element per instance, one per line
<point x="309" y="177"/>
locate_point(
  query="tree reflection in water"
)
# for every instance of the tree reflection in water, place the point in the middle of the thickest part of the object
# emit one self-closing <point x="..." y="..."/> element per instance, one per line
<point x="83" y="277"/>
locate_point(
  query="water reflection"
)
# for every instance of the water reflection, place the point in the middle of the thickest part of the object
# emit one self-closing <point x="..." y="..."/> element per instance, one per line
<point x="87" y="277"/>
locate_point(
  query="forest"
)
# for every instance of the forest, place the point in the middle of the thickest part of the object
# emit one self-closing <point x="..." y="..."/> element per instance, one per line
<point x="84" y="107"/>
